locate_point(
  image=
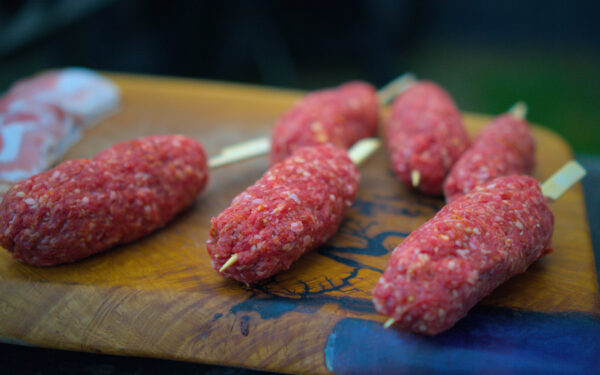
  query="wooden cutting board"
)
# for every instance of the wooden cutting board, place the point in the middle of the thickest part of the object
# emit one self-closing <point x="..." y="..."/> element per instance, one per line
<point x="159" y="297"/>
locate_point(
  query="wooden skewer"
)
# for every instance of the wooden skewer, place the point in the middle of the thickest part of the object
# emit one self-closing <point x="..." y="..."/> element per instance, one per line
<point x="357" y="153"/>
<point x="553" y="188"/>
<point x="415" y="178"/>
<point x="363" y="149"/>
<point x="230" y="262"/>
<point x="519" y="110"/>
<point x="388" y="92"/>
<point x="259" y="143"/>
<point x="262" y="145"/>
<point x="388" y="323"/>
<point x="241" y="151"/>
<point x="563" y="179"/>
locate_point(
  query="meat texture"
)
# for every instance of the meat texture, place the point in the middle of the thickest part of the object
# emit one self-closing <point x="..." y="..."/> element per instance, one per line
<point x="296" y="206"/>
<point x="341" y="116"/>
<point x="503" y="148"/>
<point x="474" y="244"/>
<point x="83" y="206"/>
<point x="425" y="133"/>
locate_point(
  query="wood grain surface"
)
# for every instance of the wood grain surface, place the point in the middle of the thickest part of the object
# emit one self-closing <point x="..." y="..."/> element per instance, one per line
<point x="159" y="297"/>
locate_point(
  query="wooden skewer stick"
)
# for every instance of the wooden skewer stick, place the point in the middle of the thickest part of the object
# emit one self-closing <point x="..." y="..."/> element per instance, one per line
<point x="553" y="188"/>
<point x="563" y="179"/>
<point x="363" y="149"/>
<point x="388" y="92"/>
<point x="358" y="154"/>
<point x="415" y="178"/>
<point x="230" y="262"/>
<point x="241" y="151"/>
<point x="262" y="145"/>
<point x="259" y="143"/>
<point x="388" y="323"/>
<point x="519" y="110"/>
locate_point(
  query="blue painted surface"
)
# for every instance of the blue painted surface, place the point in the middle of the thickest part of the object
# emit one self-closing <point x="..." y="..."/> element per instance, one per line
<point x="489" y="341"/>
<point x="591" y="186"/>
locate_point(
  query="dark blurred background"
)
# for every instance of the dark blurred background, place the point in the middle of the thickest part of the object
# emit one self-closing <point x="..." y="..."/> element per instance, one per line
<point x="488" y="54"/>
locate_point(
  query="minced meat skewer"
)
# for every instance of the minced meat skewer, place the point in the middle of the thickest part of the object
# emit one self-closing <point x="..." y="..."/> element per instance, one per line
<point x="296" y="206"/>
<point x="425" y="136"/>
<point x="341" y="116"/>
<point x="504" y="147"/>
<point x="474" y="244"/>
<point x="83" y="207"/>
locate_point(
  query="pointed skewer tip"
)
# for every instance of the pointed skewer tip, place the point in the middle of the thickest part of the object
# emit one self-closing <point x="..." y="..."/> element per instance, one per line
<point x="415" y="178"/>
<point x="389" y="323"/>
<point x="231" y="261"/>
<point x="363" y="149"/>
<point x="389" y="92"/>
<point x="519" y="110"/>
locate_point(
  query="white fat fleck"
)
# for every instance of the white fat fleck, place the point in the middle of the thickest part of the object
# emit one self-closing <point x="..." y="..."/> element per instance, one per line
<point x="332" y="198"/>
<point x="518" y="224"/>
<point x="451" y="265"/>
<point x="85" y="200"/>
<point x="30" y="201"/>
<point x="295" y="197"/>
<point x="473" y="276"/>
<point x="20" y="194"/>
<point x="296" y="226"/>
<point x="463" y="253"/>
<point x="476" y="231"/>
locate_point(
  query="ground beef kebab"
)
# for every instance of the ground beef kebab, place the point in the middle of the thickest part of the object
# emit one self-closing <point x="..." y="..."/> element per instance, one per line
<point x="340" y="116"/>
<point x="504" y="147"/>
<point x="83" y="206"/>
<point x="425" y="136"/>
<point x="296" y="206"/>
<point x="474" y="244"/>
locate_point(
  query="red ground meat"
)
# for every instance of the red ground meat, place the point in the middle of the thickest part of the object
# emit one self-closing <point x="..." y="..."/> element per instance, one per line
<point x="471" y="246"/>
<point x="341" y="116"/>
<point x="505" y="147"/>
<point x="425" y="133"/>
<point x="295" y="207"/>
<point x="83" y="207"/>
